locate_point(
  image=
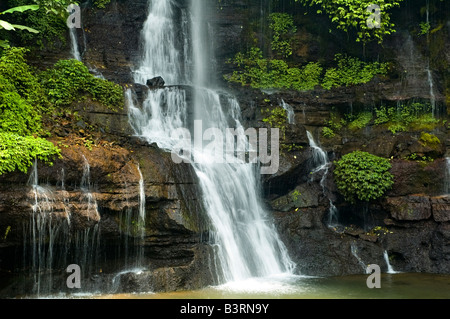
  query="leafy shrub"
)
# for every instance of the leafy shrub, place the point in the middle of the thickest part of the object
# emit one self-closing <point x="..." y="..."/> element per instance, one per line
<point x="262" y="73"/>
<point x="49" y="20"/>
<point x="361" y="121"/>
<point x="362" y="176"/>
<point x="351" y="14"/>
<point x="277" y="118"/>
<point x="403" y="117"/>
<point x="18" y="152"/>
<point x="69" y="80"/>
<point x="15" y="70"/>
<point x="328" y="132"/>
<point x="282" y="26"/>
<point x="351" y="71"/>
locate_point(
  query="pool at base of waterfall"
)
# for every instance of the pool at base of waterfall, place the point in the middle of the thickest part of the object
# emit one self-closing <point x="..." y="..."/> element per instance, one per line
<point x="392" y="286"/>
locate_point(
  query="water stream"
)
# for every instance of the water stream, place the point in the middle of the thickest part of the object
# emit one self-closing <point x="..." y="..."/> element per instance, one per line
<point x="321" y="165"/>
<point x="247" y="243"/>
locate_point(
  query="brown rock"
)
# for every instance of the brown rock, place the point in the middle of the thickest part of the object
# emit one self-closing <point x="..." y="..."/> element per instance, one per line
<point x="441" y="208"/>
<point x="412" y="207"/>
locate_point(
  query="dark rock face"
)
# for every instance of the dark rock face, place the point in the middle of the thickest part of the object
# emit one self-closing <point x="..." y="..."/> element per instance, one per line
<point x="174" y="221"/>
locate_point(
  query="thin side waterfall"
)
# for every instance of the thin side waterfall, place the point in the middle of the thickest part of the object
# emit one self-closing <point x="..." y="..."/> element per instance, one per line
<point x="354" y="251"/>
<point x="141" y="222"/>
<point x="447" y="176"/>
<point x="429" y="75"/>
<point x="322" y="164"/>
<point x="87" y="197"/>
<point x="390" y="270"/>
<point x="74" y="49"/>
<point x="244" y="238"/>
<point x="289" y="111"/>
<point x="44" y="229"/>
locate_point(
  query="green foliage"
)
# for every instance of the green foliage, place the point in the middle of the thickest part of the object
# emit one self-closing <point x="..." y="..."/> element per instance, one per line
<point x="283" y="27"/>
<point x="262" y="73"/>
<point x="16" y="71"/>
<point x="403" y="117"/>
<point x="22" y="103"/>
<point x="12" y="26"/>
<point x="49" y="19"/>
<point x="361" y="176"/>
<point x="430" y="140"/>
<point x="101" y="4"/>
<point x="328" y="132"/>
<point x="277" y="118"/>
<point x="353" y="14"/>
<point x="351" y="71"/>
<point x="295" y="195"/>
<point x="18" y="152"/>
<point x="419" y="158"/>
<point x="425" y="27"/>
<point x="70" y="79"/>
<point x="361" y="121"/>
<point x="21" y="96"/>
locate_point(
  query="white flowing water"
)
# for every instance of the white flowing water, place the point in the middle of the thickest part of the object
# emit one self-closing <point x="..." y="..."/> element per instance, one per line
<point x="41" y="233"/>
<point x="390" y="270"/>
<point x="246" y="241"/>
<point x="322" y="163"/>
<point x="354" y="251"/>
<point x="289" y="111"/>
<point x="74" y="49"/>
<point x="447" y="176"/>
<point x="88" y="197"/>
<point x="161" y="55"/>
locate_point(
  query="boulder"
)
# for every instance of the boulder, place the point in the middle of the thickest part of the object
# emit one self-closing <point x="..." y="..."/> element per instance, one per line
<point x="156" y="82"/>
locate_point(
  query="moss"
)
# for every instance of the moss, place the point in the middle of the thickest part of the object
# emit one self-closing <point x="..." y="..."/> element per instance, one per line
<point x="429" y="140"/>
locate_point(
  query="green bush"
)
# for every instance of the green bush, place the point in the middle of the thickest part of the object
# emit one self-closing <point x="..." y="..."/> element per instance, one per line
<point x="361" y="176"/>
<point x="15" y="70"/>
<point x="18" y="152"/>
<point x="70" y="80"/>
<point x="403" y="117"/>
<point x="277" y="118"/>
<point x="283" y="27"/>
<point x="262" y="73"/>
<point x="351" y="71"/>
<point x="49" y="20"/>
<point x="361" y="121"/>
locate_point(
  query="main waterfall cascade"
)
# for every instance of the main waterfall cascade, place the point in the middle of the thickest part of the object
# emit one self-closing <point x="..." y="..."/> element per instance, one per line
<point x="246" y="241"/>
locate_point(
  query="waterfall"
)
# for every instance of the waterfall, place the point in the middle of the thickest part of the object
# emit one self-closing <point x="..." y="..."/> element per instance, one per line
<point x="46" y="227"/>
<point x="289" y="111"/>
<point x="87" y="197"/>
<point x="244" y="238"/>
<point x="161" y="56"/>
<point x="390" y="270"/>
<point x="447" y="176"/>
<point x="321" y="163"/>
<point x="75" y="51"/>
<point x="354" y="251"/>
